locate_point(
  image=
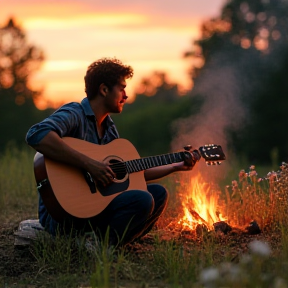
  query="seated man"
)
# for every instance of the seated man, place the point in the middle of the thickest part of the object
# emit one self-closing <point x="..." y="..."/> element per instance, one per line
<point x="131" y="214"/>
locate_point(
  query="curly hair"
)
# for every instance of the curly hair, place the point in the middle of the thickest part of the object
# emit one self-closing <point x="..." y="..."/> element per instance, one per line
<point x="107" y="71"/>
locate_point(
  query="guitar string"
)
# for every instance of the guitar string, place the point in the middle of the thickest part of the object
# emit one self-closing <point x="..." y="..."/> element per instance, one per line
<point x="121" y="166"/>
<point x="141" y="159"/>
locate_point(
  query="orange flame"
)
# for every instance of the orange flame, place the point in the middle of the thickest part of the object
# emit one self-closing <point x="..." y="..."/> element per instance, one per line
<point x="200" y="204"/>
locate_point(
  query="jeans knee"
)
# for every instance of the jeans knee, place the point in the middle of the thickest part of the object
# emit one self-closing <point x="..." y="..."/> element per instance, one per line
<point x="159" y="192"/>
<point x="145" y="202"/>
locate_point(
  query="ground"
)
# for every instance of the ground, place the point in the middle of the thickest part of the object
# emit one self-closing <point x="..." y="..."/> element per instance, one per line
<point x="20" y="266"/>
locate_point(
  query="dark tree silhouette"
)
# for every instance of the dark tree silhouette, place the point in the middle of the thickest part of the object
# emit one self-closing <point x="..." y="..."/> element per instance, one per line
<point x="18" y="60"/>
<point x="243" y="66"/>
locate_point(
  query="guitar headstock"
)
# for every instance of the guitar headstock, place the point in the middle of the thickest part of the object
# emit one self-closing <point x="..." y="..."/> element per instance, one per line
<point x="212" y="154"/>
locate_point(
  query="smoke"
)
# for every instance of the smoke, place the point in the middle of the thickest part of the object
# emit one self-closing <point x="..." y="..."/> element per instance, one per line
<point x="228" y="82"/>
<point x="221" y="109"/>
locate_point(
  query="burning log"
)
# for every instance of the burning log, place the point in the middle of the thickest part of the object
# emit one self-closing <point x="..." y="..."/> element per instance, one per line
<point x="201" y="229"/>
<point x="222" y="227"/>
<point x="253" y="228"/>
<point x="197" y="217"/>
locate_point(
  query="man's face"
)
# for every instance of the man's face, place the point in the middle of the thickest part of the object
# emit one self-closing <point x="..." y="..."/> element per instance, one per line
<point x="116" y="97"/>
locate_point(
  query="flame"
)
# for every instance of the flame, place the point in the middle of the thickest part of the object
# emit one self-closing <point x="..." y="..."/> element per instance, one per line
<point x="200" y="204"/>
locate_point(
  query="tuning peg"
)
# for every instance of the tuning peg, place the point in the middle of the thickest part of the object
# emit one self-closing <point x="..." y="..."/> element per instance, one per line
<point x="188" y="147"/>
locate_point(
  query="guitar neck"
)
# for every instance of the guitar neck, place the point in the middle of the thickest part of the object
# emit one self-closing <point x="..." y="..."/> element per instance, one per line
<point x="145" y="163"/>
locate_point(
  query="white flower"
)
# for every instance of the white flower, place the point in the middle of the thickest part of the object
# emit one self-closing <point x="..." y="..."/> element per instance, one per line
<point x="230" y="271"/>
<point x="279" y="283"/>
<point x="209" y="275"/>
<point x="260" y="248"/>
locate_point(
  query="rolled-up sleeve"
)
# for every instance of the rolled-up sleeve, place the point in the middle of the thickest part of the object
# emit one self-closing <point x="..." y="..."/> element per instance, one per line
<point x="63" y="121"/>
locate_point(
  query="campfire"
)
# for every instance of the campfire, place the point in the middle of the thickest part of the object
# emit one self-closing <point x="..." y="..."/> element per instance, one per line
<point x="201" y="205"/>
<point x="249" y="205"/>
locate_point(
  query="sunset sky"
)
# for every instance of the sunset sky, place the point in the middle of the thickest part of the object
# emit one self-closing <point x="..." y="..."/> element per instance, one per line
<point x="149" y="35"/>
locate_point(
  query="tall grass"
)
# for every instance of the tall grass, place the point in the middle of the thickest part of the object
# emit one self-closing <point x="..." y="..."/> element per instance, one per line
<point x="175" y="262"/>
<point x="18" y="192"/>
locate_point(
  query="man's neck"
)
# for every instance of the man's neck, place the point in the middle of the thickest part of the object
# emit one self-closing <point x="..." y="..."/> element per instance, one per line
<point x="99" y="110"/>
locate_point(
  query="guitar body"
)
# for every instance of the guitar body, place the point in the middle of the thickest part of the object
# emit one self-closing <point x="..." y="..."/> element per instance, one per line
<point x="68" y="191"/>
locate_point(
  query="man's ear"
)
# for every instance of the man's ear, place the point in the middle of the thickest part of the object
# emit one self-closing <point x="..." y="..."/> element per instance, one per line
<point x="103" y="90"/>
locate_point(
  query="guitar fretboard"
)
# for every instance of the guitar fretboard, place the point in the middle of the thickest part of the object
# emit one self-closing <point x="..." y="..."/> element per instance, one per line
<point x="144" y="163"/>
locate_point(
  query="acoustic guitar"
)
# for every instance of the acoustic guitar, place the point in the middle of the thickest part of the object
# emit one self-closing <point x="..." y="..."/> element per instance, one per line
<point x="67" y="190"/>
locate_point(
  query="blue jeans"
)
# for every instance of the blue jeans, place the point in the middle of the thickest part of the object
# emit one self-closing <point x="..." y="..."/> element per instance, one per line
<point x="130" y="215"/>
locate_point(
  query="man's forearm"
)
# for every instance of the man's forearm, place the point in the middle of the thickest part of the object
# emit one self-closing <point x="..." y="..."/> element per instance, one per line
<point x="158" y="172"/>
<point x="55" y="148"/>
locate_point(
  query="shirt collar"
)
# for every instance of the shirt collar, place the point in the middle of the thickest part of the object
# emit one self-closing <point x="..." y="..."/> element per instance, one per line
<point x="86" y="107"/>
<point x="89" y="112"/>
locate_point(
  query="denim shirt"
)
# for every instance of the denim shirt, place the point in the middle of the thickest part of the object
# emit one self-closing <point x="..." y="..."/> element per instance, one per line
<point x="71" y="120"/>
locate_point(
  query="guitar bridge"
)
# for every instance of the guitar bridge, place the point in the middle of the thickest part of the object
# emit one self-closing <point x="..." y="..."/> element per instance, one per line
<point x="42" y="183"/>
<point x="90" y="182"/>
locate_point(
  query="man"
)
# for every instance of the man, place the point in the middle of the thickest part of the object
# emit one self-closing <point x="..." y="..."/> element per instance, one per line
<point x="131" y="214"/>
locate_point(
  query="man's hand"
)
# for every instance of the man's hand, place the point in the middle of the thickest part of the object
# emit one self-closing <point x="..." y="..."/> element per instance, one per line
<point x="101" y="172"/>
<point x="190" y="159"/>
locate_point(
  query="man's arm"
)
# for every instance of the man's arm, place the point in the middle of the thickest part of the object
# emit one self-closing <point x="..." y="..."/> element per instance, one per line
<point x="162" y="171"/>
<point x="55" y="148"/>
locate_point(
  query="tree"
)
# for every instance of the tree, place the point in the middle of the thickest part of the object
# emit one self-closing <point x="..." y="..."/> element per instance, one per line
<point x="244" y="56"/>
<point x="18" y="60"/>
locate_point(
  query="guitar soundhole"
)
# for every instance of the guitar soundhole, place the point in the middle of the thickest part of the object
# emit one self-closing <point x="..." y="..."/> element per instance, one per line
<point x="119" y="168"/>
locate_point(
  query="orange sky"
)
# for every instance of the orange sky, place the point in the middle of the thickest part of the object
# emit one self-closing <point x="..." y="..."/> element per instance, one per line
<point x="149" y="35"/>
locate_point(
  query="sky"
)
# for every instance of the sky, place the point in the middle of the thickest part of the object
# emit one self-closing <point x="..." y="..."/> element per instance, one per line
<point x="149" y="35"/>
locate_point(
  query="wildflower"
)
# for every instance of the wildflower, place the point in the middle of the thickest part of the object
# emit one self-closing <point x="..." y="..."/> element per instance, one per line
<point x="283" y="166"/>
<point x="209" y="275"/>
<point x="230" y="271"/>
<point x="252" y="167"/>
<point x="252" y="173"/>
<point x="234" y="183"/>
<point x="242" y="175"/>
<point x="260" y="248"/>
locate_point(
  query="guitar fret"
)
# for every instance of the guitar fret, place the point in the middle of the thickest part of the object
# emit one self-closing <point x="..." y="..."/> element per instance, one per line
<point x="168" y="160"/>
<point x="140" y="162"/>
<point x="148" y="162"/>
<point x="180" y="156"/>
<point x="129" y="167"/>
<point x="133" y="165"/>
<point x="164" y="160"/>
<point x="145" y="163"/>
<point x="158" y="161"/>
<point x="138" y="168"/>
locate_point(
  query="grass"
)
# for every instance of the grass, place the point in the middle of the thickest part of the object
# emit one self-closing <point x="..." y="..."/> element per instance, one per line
<point x="179" y="260"/>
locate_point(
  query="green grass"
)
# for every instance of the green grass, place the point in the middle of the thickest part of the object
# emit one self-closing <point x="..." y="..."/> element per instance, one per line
<point x="176" y="261"/>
